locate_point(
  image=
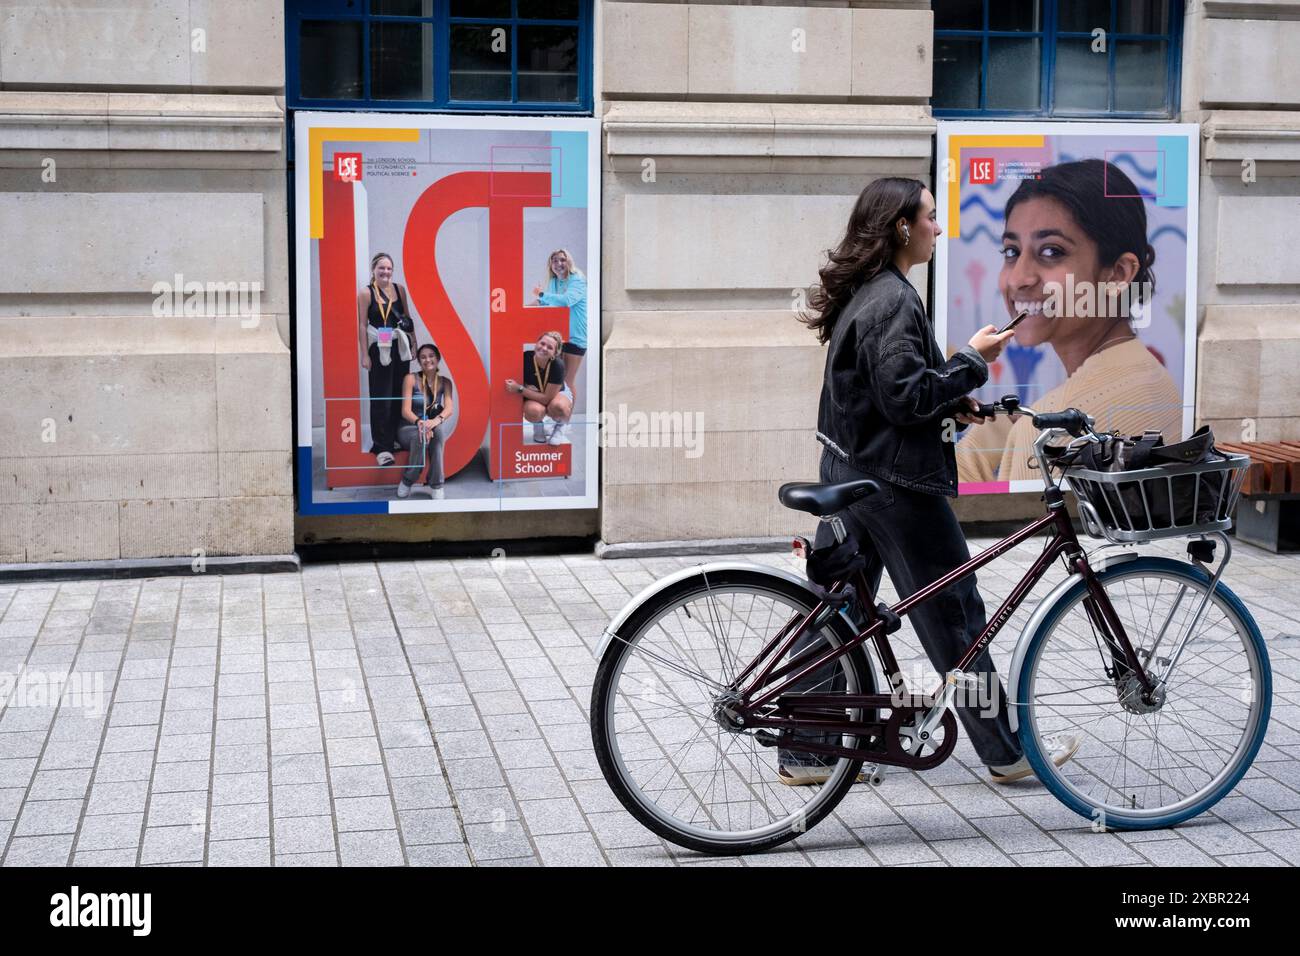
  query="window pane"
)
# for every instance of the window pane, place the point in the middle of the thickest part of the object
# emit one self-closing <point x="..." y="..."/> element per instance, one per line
<point x="1140" y="76"/>
<point x="401" y="61"/>
<point x="1014" y="74"/>
<point x="480" y="8"/>
<point x="329" y="65"/>
<point x="1081" y="82"/>
<point x="1083" y="16"/>
<point x="1016" y="15"/>
<point x="480" y="62"/>
<point x="956" y="73"/>
<point x="548" y="9"/>
<point x="401" y="8"/>
<point x="1142" y="16"/>
<point x="548" y="64"/>
<point x="958" y="14"/>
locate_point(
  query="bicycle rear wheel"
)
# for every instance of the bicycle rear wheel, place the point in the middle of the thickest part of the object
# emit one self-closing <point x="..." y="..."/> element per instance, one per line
<point x="1145" y="764"/>
<point x="663" y="743"/>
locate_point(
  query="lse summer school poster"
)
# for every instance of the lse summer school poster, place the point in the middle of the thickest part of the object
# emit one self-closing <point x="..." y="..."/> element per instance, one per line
<point x="447" y="312"/>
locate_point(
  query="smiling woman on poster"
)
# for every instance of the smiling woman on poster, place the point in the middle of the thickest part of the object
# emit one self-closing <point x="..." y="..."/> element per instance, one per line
<point x="1080" y="263"/>
<point x="566" y="285"/>
<point x="543" y="390"/>
<point x="386" y="335"/>
<point x="428" y="403"/>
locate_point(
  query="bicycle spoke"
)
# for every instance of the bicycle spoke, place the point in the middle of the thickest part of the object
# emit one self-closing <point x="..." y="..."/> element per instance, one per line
<point x="679" y="757"/>
<point x="1139" y="755"/>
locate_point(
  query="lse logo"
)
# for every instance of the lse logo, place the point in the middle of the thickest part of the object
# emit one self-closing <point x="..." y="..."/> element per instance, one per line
<point x="347" y="167"/>
<point x="981" y="171"/>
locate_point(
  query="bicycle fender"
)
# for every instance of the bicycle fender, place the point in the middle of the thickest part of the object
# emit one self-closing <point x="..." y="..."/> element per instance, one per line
<point x="1035" y="619"/>
<point x="611" y="629"/>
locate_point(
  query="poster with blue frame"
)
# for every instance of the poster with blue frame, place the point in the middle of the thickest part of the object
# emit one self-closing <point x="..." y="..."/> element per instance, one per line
<point x="448" y="312"/>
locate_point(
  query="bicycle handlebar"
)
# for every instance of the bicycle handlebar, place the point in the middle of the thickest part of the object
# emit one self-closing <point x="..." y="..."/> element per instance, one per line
<point x="1072" y="420"/>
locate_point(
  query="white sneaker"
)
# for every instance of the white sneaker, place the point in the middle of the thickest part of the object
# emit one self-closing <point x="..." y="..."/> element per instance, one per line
<point x="438" y="493"/>
<point x="539" y="433"/>
<point x="384" y="458"/>
<point x="422" y="490"/>
<point x="1061" y="747"/>
<point x="403" y="489"/>
<point x="558" y="436"/>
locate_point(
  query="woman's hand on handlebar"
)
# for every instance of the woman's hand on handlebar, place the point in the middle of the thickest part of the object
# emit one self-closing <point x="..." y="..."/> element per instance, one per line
<point x="989" y="343"/>
<point x="971" y="416"/>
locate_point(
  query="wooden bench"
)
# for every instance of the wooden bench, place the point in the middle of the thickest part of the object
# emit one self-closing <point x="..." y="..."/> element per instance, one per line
<point x="1268" y="513"/>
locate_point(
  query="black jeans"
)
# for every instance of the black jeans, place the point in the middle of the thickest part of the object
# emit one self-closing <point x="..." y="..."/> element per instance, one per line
<point x="917" y="539"/>
<point x="385" y="400"/>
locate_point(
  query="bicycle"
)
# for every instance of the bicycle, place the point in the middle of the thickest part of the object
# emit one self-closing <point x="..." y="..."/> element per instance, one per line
<point x="1155" y="666"/>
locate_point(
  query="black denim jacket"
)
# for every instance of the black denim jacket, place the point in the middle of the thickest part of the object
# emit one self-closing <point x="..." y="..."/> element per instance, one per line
<point x="887" y="388"/>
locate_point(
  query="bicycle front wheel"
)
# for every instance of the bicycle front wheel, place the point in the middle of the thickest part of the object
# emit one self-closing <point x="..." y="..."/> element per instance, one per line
<point x="660" y="725"/>
<point x="1145" y="762"/>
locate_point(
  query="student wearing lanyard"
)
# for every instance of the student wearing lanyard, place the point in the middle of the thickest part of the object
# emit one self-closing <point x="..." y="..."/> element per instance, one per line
<point x="565" y="285"/>
<point x="543" y="390"/>
<point x="385" y="334"/>
<point x="427" y="405"/>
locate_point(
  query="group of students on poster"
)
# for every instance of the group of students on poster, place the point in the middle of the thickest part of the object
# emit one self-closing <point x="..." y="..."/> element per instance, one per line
<point x="410" y="410"/>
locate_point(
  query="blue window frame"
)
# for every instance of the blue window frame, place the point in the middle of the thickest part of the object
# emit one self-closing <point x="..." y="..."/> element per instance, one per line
<point x="1042" y="58"/>
<point x="524" y="56"/>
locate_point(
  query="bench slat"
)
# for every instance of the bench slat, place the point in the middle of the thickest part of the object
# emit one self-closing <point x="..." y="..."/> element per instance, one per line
<point x="1274" y="470"/>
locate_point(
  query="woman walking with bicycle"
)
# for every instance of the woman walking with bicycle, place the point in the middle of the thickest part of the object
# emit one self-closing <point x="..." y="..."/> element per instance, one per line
<point x="890" y="408"/>
<point x="718" y="683"/>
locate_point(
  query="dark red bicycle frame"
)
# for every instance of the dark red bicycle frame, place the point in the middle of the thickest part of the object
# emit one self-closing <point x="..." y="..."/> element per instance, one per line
<point x="1063" y="541"/>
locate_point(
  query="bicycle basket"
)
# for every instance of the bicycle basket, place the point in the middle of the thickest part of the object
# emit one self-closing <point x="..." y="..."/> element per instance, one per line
<point x="1160" y="502"/>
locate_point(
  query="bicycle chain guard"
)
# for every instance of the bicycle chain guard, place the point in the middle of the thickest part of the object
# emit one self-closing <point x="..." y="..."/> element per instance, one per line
<point x="894" y="754"/>
<point x="903" y="718"/>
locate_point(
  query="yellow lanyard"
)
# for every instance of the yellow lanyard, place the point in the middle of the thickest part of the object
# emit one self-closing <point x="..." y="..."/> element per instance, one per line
<point x="541" y="379"/>
<point x="427" y="391"/>
<point x="385" y="305"/>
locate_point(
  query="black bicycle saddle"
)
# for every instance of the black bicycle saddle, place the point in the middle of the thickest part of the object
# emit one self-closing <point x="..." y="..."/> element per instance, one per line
<point x="822" y="500"/>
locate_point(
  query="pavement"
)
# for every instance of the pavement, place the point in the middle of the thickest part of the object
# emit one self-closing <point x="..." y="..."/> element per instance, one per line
<point x="435" y="713"/>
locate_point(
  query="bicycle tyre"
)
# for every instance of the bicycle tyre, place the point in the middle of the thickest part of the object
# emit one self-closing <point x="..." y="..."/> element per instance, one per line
<point x="604" y="715"/>
<point x="1069" y="782"/>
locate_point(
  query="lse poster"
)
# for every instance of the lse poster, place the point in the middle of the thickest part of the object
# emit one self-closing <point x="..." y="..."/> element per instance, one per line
<point x="448" y="314"/>
<point x="1090" y="228"/>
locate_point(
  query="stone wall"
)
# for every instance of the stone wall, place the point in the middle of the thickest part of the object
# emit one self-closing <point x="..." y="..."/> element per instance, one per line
<point x="736" y="140"/>
<point x="138" y="142"/>
<point x="1241" y="82"/>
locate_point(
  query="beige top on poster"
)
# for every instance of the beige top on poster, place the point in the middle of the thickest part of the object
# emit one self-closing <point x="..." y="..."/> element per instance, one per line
<point x="1124" y="387"/>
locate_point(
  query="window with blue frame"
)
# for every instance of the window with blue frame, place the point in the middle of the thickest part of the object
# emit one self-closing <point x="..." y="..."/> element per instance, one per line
<point x="475" y="55"/>
<point x="1056" y="58"/>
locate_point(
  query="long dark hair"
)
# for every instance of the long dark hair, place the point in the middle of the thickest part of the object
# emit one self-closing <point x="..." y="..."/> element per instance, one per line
<point x="869" y="243"/>
<point x="1106" y="205"/>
